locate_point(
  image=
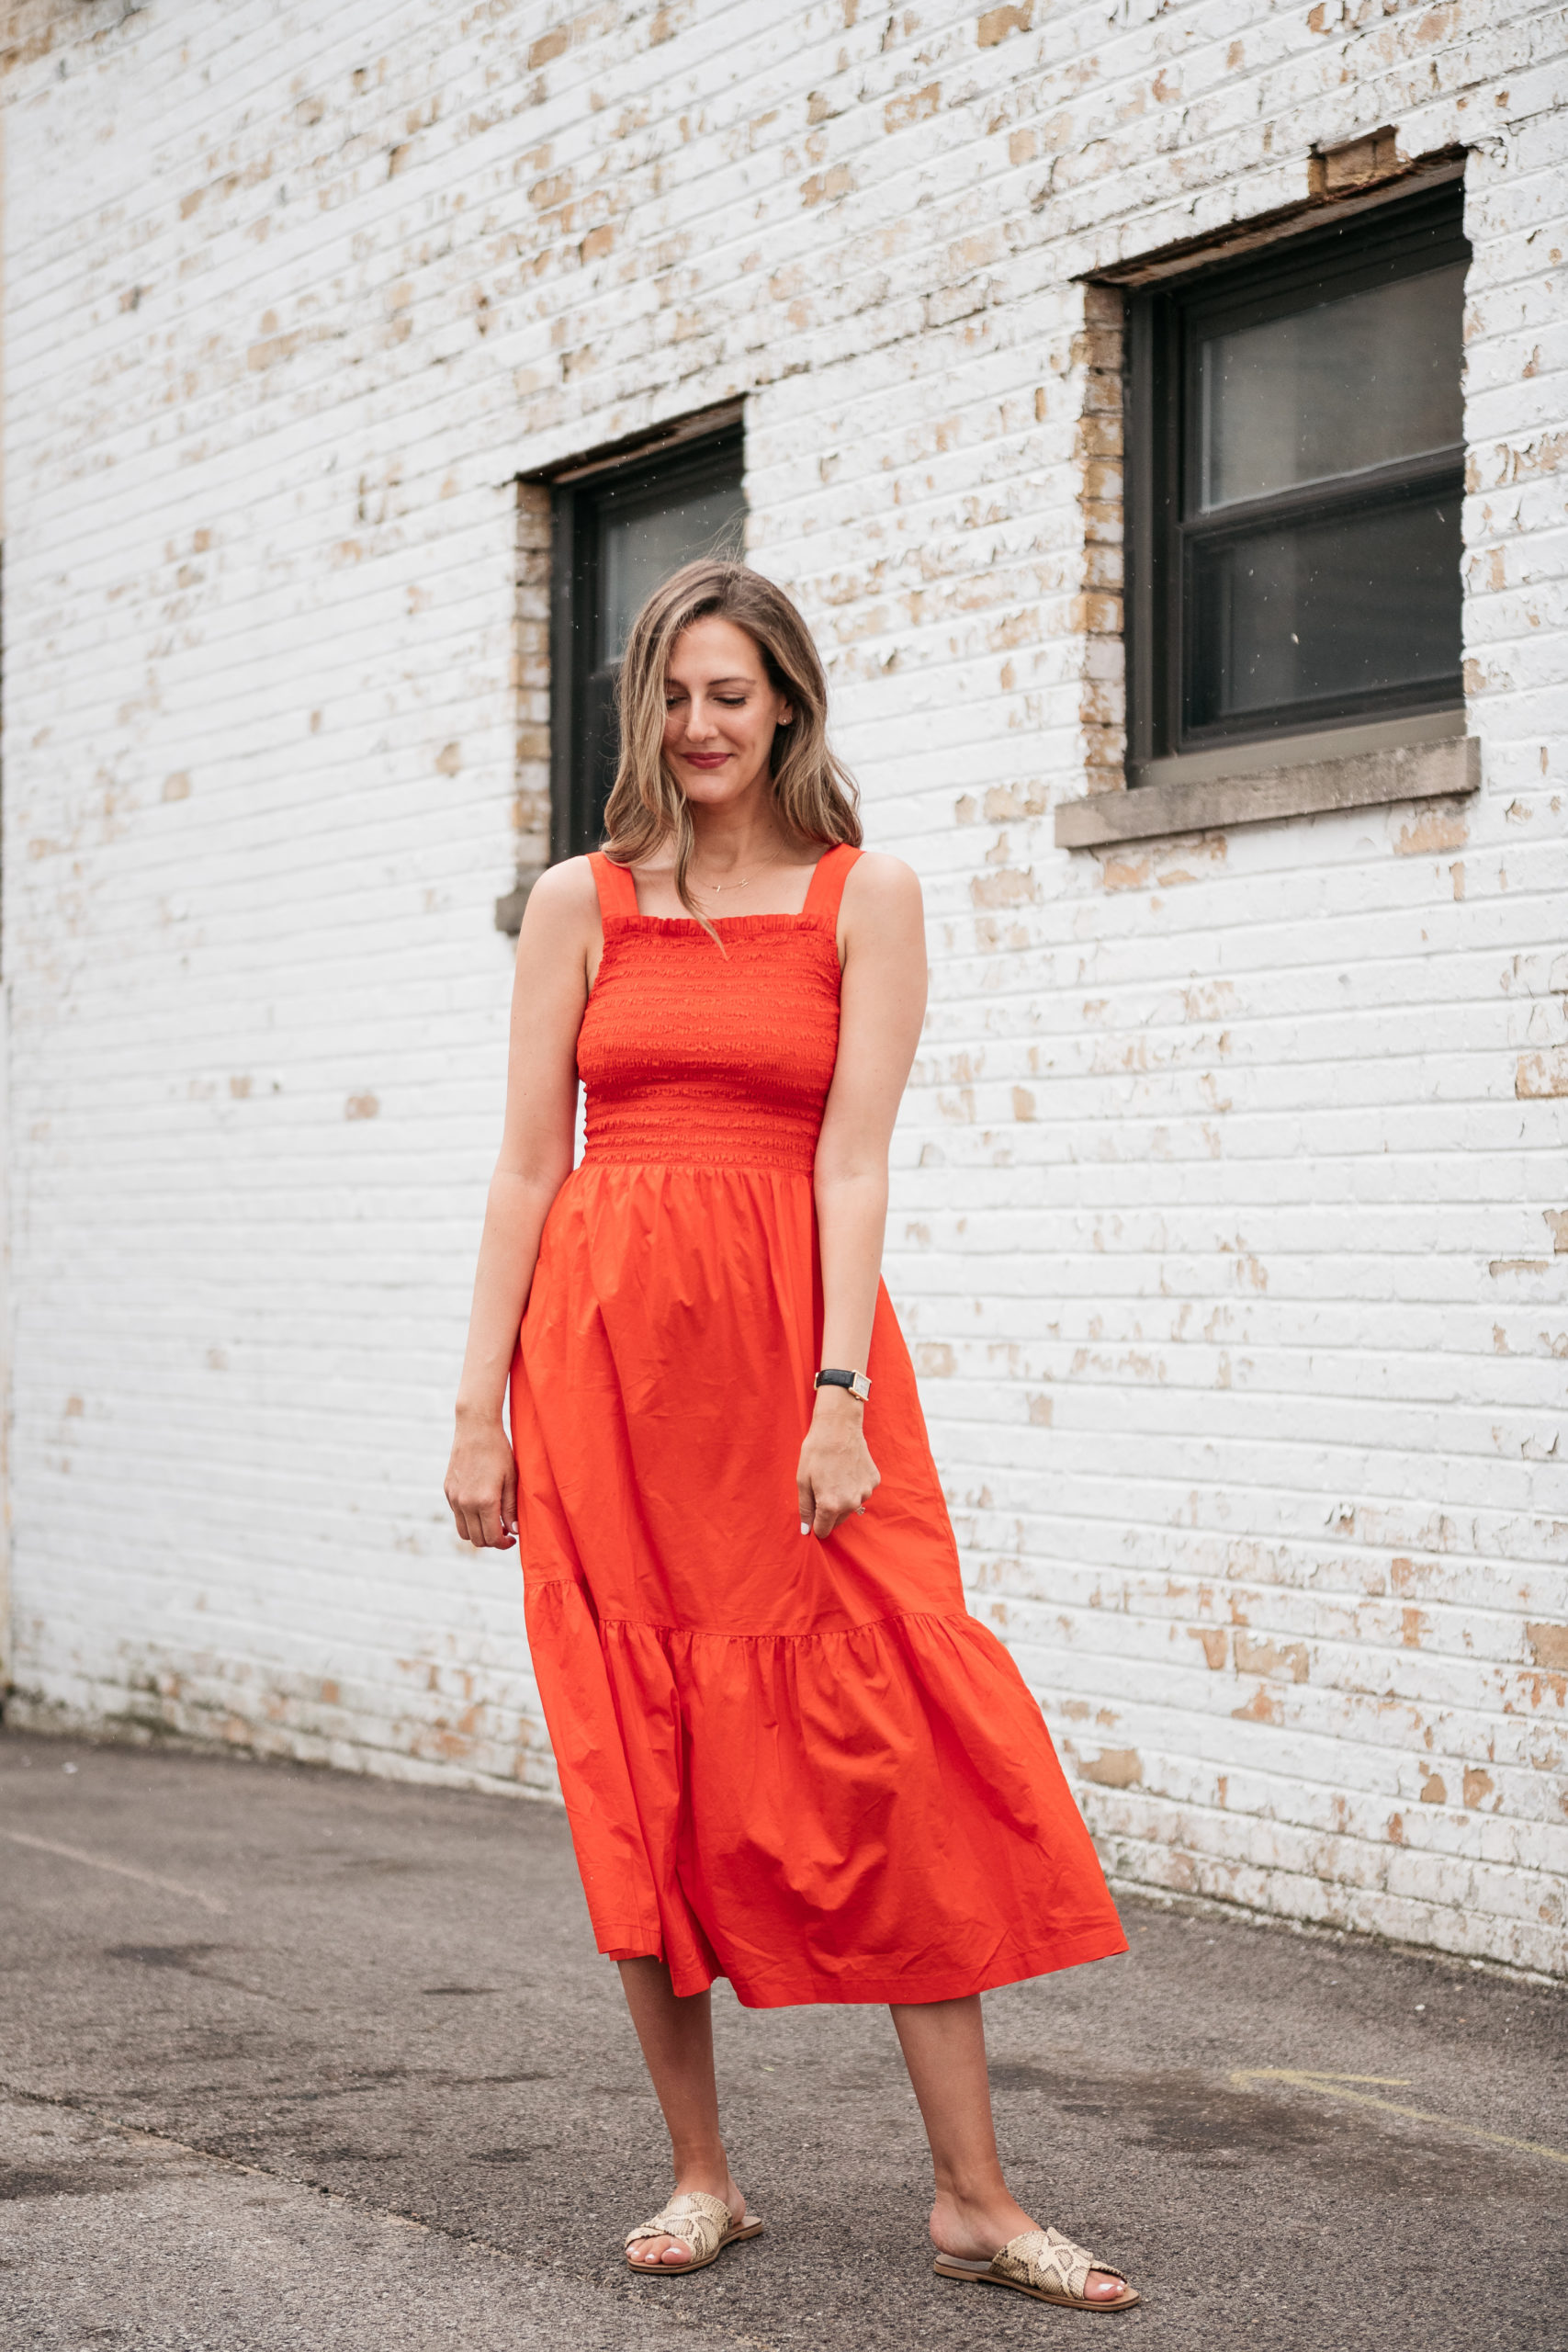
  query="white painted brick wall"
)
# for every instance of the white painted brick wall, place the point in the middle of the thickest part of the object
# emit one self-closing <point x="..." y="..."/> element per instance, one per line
<point x="1231" y="1218"/>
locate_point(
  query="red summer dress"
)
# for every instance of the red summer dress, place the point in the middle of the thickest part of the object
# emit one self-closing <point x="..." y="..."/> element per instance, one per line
<point x="800" y="1765"/>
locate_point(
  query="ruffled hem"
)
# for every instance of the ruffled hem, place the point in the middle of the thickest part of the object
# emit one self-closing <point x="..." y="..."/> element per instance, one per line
<point x="872" y="1814"/>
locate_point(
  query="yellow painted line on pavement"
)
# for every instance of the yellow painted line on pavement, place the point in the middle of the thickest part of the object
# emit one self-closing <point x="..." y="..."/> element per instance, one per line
<point x="1333" y="2087"/>
<point x="121" y="1869"/>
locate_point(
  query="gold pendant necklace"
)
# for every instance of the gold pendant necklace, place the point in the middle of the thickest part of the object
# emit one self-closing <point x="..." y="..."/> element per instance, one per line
<point x="744" y="883"/>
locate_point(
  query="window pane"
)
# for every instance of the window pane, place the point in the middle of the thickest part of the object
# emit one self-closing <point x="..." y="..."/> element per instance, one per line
<point x="641" y="542"/>
<point x="1328" y="390"/>
<point x="1327" y="610"/>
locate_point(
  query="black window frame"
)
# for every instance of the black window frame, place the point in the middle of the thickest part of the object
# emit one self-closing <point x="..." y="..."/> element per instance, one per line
<point x="1401" y="238"/>
<point x="580" y="690"/>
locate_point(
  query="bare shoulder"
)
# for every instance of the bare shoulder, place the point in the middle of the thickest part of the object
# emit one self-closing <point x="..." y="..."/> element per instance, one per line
<point x="562" y="904"/>
<point x="560" y="934"/>
<point x="565" y="889"/>
<point x="882" y="891"/>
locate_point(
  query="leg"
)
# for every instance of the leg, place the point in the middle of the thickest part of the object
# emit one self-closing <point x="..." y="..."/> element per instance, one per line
<point x="677" y="2045"/>
<point x="975" y="2212"/>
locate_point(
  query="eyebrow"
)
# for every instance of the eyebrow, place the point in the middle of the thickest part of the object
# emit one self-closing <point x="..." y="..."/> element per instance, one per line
<point x="742" y="681"/>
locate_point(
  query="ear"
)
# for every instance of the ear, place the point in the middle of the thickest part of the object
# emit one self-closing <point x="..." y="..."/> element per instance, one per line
<point x="786" y="716"/>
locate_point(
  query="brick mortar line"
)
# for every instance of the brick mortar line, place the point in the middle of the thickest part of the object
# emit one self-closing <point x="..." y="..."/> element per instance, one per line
<point x="1217" y="1907"/>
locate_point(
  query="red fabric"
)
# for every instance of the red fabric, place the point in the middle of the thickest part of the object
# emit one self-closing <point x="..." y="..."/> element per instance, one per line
<point x="799" y="1765"/>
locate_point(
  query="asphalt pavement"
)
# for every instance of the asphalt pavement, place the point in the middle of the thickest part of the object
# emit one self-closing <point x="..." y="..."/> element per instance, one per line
<point x="291" y="2058"/>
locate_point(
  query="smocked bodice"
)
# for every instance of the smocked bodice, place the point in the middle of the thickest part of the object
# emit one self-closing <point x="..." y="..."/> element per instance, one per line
<point x="691" y="1057"/>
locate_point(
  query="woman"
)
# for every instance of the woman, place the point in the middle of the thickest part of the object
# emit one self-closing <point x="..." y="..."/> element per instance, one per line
<point x="789" y="1756"/>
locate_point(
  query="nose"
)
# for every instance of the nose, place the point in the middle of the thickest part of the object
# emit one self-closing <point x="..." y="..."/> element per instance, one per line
<point x="699" y="722"/>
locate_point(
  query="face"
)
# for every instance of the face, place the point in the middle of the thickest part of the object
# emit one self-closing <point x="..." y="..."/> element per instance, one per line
<point x="721" y="712"/>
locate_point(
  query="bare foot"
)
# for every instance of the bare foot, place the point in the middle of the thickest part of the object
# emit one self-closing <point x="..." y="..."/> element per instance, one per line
<point x="673" y="2252"/>
<point x="973" y="2232"/>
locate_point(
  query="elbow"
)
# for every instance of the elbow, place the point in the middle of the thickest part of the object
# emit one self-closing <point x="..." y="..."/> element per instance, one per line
<point x="842" y="1176"/>
<point x="538" y="1179"/>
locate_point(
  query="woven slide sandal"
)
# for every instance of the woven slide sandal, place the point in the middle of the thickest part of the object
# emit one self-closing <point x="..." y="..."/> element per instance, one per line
<point x="1044" y="2264"/>
<point x="701" y="2221"/>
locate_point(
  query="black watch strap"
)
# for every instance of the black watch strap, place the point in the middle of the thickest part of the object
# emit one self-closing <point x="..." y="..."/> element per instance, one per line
<point x="855" y="1382"/>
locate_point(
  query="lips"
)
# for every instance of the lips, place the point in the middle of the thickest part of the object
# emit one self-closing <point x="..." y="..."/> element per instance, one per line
<point x="704" y="758"/>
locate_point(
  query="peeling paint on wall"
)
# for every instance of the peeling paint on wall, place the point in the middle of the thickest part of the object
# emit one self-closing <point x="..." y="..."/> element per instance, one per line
<point x="1229" y="1227"/>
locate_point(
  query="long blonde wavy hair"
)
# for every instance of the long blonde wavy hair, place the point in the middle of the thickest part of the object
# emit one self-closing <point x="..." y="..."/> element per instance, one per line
<point x="814" y="796"/>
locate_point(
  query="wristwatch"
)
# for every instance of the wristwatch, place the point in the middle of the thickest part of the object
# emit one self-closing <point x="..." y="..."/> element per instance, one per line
<point x="856" y="1382"/>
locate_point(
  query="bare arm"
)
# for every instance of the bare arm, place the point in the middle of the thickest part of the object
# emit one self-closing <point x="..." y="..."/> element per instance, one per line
<point x="882" y="1006"/>
<point x="559" y="935"/>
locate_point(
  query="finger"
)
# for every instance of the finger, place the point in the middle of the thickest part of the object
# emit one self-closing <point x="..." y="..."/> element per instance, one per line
<point x="490" y="1529"/>
<point x="807" y="1502"/>
<point x="509" y="1500"/>
<point x="825" y="1521"/>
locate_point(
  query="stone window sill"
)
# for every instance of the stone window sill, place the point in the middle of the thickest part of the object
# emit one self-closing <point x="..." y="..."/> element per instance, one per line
<point x="1300" y="775"/>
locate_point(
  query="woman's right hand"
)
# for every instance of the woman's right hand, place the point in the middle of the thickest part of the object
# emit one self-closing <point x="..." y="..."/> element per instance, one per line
<point x="481" y="1486"/>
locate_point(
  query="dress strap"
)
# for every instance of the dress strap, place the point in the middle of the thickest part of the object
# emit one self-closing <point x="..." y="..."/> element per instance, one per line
<point x="828" y="885"/>
<point x="617" y="891"/>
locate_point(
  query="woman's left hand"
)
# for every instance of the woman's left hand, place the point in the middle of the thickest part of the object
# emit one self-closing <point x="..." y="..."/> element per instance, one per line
<point x="837" y="1475"/>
